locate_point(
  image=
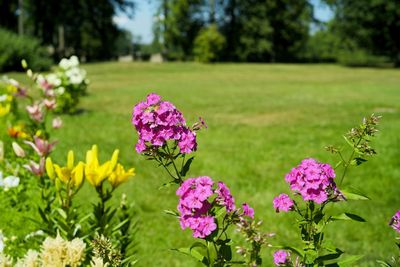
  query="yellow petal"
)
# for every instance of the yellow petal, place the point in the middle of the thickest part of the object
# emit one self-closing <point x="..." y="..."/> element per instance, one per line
<point x="70" y="160"/>
<point x="50" y="169"/>
<point x="62" y="173"/>
<point x="77" y="174"/>
<point x="114" y="159"/>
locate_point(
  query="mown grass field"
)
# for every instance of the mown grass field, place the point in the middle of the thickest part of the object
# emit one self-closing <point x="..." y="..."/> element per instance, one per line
<point x="263" y="120"/>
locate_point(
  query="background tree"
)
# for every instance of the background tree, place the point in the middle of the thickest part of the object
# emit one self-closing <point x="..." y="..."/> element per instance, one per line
<point x="184" y="21"/>
<point x="8" y="14"/>
<point x="290" y="22"/>
<point x="370" y="25"/>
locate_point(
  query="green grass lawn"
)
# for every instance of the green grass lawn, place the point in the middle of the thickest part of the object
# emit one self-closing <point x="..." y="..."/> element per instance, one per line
<point x="263" y="120"/>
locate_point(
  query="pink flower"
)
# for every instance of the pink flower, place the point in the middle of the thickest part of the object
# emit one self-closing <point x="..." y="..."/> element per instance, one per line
<point x="50" y="104"/>
<point x="57" y="123"/>
<point x="281" y="258"/>
<point x="36" y="168"/>
<point x="153" y="99"/>
<point x="44" y="84"/>
<point x="195" y="198"/>
<point x="225" y="197"/>
<point x="41" y="146"/>
<point x="157" y="122"/>
<point x="283" y="203"/>
<point x="35" y="112"/>
<point x="204" y="227"/>
<point x="247" y="210"/>
<point x="313" y="180"/>
<point x="395" y="221"/>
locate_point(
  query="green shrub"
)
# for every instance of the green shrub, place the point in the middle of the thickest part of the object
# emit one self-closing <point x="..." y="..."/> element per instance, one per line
<point x="14" y="48"/>
<point x="360" y="58"/>
<point x="208" y="44"/>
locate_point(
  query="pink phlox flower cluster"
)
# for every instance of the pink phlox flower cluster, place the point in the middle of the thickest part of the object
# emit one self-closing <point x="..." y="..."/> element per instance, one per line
<point x="194" y="206"/>
<point x="225" y="197"/>
<point x="395" y="221"/>
<point x="247" y="210"/>
<point x="283" y="203"/>
<point x="313" y="180"/>
<point x="158" y="121"/>
<point x="196" y="201"/>
<point x="281" y="257"/>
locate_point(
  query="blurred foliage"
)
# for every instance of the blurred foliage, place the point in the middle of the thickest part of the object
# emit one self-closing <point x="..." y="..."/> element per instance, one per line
<point x="81" y="27"/>
<point x="208" y="45"/>
<point x="14" y="48"/>
<point x="371" y="26"/>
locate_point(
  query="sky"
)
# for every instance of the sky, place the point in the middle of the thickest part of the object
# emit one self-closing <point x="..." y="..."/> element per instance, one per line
<point x="141" y="23"/>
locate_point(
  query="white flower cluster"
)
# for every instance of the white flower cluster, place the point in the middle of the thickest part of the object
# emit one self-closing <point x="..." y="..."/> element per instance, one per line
<point x="8" y="182"/>
<point x="68" y="74"/>
<point x="71" y="68"/>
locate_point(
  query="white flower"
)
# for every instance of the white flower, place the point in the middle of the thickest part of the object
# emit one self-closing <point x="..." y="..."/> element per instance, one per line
<point x="64" y="63"/>
<point x="8" y="182"/>
<point x="75" y="75"/>
<point x="53" y="79"/>
<point x="73" y="61"/>
<point x="60" y="91"/>
<point x="13" y="82"/>
<point x="1" y="240"/>
<point x="3" y="98"/>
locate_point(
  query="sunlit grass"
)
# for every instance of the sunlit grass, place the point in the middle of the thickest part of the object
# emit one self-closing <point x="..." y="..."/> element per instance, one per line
<point x="263" y="120"/>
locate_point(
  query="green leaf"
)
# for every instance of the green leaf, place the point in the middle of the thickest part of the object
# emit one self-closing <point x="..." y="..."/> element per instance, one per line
<point x="359" y="161"/>
<point x="383" y="263"/>
<point x="62" y="213"/>
<point x="220" y="211"/>
<point x="194" y="253"/>
<point x="347" y="217"/>
<point x="349" y="260"/>
<point x="354" y="194"/>
<point x="348" y="142"/>
<point x="226" y="252"/>
<point x="171" y="212"/>
<point x="310" y="256"/>
<point x="298" y="251"/>
<point x="211" y="252"/>
<point x="186" y="167"/>
<point x="329" y="256"/>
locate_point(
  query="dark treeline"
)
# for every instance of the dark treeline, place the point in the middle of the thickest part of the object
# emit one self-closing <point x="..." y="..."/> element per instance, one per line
<point x="82" y="27"/>
<point x="362" y="32"/>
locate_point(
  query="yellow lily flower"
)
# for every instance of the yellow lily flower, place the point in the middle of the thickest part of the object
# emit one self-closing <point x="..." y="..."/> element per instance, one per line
<point x="17" y="131"/>
<point x="70" y="173"/>
<point x="95" y="172"/>
<point x="11" y="89"/>
<point x="4" y="109"/>
<point x="119" y="175"/>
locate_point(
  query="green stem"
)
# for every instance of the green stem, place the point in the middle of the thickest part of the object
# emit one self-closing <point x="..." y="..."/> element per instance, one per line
<point x="171" y="155"/>
<point x="347" y="164"/>
<point x="208" y="254"/>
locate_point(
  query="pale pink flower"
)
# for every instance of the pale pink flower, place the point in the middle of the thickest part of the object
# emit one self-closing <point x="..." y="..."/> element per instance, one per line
<point x="36" y="168"/>
<point x="50" y="103"/>
<point x="57" y="123"/>
<point x="35" y="112"/>
<point x="41" y="146"/>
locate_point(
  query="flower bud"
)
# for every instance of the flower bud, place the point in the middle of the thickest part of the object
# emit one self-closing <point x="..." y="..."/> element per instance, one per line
<point x="18" y="150"/>
<point x="1" y="151"/>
